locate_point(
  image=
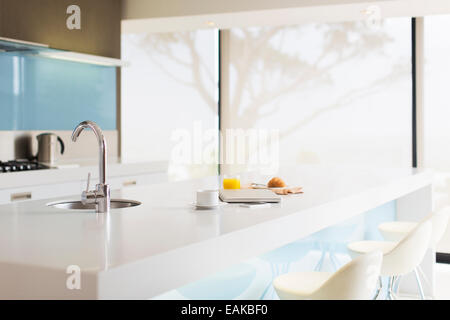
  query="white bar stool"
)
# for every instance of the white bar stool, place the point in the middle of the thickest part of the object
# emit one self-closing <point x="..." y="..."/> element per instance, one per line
<point x="397" y="230"/>
<point x="399" y="258"/>
<point x="280" y="260"/>
<point x="356" y="280"/>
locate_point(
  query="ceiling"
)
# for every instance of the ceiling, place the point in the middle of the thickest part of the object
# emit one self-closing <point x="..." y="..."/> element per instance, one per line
<point x="182" y="15"/>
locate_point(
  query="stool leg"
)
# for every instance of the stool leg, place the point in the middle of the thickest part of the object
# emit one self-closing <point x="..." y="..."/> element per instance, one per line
<point x="397" y="284"/>
<point x="390" y="292"/>
<point x="281" y="269"/>
<point x="334" y="261"/>
<point x="425" y="279"/>
<point x="319" y="264"/>
<point x="269" y="286"/>
<point x="379" y="287"/>
<point x="424" y="276"/>
<point x="419" y="284"/>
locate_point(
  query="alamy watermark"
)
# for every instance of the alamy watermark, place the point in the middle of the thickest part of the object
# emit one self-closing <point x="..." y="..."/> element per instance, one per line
<point x="74" y="20"/>
<point x="373" y="16"/>
<point x="254" y="147"/>
<point x="73" y="281"/>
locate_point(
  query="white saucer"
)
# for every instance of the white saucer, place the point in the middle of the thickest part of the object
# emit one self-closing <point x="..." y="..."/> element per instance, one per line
<point x="205" y="207"/>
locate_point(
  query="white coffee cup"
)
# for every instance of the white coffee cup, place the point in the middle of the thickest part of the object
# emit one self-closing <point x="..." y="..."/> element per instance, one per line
<point x="207" y="198"/>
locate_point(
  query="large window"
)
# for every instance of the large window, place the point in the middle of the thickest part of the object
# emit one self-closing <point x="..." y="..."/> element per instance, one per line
<point x="437" y="111"/>
<point x="338" y="93"/>
<point x="169" y="101"/>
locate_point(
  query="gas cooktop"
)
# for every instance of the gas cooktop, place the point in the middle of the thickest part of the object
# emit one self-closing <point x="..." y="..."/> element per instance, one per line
<point x="20" y="165"/>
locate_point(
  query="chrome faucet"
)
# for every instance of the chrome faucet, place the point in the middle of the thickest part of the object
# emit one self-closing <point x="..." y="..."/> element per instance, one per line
<point x="101" y="195"/>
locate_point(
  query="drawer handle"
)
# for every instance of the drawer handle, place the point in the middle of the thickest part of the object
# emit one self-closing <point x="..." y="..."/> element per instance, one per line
<point x="129" y="183"/>
<point x="20" y="196"/>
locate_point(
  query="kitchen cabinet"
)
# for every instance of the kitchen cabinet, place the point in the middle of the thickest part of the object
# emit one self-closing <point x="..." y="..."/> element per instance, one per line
<point x="75" y="187"/>
<point x="40" y="192"/>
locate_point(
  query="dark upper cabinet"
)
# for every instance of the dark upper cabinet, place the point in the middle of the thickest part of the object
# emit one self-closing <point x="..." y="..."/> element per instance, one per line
<point x="44" y="21"/>
<point x="1" y="17"/>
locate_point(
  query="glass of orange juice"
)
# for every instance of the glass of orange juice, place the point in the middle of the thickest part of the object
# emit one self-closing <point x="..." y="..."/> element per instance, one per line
<point x="231" y="182"/>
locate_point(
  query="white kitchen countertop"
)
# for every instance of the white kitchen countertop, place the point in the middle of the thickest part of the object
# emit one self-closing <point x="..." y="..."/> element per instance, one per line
<point x="164" y="243"/>
<point x="11" y="180"/>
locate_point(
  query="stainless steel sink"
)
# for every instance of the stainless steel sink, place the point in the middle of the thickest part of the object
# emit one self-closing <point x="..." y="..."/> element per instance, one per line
<point x="77" y="205"/>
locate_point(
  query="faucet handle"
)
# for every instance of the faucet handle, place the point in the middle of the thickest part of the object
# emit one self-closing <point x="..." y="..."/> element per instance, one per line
<point x="88" y="196"/>
<point x="88" y="182"/>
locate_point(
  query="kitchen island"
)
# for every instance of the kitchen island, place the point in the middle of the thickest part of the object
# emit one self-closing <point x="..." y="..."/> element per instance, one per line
<point x="164" y="243"/>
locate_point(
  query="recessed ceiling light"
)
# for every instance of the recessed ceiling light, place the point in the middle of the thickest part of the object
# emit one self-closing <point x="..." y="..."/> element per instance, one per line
<point x="210" y="23"/>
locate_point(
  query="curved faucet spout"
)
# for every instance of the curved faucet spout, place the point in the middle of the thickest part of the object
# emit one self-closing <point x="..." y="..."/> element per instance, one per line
<point x="101" y="144"/>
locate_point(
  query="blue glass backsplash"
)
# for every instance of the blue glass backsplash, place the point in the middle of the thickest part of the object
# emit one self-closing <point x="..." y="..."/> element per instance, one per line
<point x="38" y="93"/>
